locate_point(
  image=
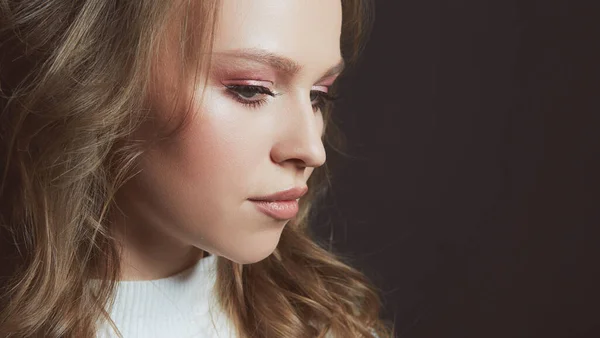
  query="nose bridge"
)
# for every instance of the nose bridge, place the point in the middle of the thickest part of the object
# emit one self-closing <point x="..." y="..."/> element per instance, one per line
<point x="301" y="134"/>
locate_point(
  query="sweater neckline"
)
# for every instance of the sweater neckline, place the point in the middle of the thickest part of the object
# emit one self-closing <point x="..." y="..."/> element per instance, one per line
<point x="181" y="305"/>
<point x="204" y="264"/>
<point x="189" y="291"/>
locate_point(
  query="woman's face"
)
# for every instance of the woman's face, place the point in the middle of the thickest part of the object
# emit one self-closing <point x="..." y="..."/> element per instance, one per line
<point x="241" y="142"/>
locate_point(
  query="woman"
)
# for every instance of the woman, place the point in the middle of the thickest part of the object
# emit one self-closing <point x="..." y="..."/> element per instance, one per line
<point x="161" y="159"/>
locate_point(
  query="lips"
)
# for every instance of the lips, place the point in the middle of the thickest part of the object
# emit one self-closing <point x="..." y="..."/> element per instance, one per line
<point x="285" y="195"/>
<point x="280" y="210"/>
<point x="282" y="205"/>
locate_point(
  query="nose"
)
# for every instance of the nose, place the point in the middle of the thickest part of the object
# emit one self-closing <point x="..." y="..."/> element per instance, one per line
<point x="300" y="138"/>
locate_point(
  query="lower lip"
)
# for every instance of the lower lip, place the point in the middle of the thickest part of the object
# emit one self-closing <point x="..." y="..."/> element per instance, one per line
<point x="281" y="210"/>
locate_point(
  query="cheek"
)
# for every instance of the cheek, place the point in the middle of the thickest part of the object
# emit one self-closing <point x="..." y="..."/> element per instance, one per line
<point x="219" y="151"/>
<point x="216" y="154"/>
<point x="211" y="152"/>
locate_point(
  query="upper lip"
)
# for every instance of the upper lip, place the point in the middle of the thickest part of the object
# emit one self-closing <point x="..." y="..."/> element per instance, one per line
<point x="285" y="195"/>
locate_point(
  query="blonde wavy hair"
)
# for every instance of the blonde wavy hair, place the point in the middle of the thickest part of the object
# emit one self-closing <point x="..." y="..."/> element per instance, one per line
<point x="74" y="79"/>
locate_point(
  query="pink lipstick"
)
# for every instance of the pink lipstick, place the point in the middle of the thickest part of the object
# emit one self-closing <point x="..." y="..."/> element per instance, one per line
<point x="281" y="210"/>
<point x="282" y="205"/>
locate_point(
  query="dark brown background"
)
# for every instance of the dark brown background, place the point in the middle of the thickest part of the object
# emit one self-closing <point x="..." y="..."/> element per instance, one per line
<point x="472" y="196"/>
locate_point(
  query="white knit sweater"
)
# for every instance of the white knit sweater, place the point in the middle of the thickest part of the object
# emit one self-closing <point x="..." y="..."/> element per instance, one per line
<point x="179" y="306"/>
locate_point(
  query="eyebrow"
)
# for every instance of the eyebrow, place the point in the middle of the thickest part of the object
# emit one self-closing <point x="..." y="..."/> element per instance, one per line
<point x="280" y="63"/>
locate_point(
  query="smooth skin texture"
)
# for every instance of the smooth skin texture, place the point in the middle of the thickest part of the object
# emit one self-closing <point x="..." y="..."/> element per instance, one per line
<point x="192" y="193"/>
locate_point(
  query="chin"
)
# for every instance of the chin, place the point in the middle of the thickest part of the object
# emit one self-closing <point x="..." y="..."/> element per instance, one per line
<point x="251" y="255"/>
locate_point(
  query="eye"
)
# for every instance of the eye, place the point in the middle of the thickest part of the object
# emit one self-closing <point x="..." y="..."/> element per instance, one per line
<point x="314" y="95"/>
<point x="249" y="95"/>
<point x="319" y="99"/>
<point x="248" y="92"/>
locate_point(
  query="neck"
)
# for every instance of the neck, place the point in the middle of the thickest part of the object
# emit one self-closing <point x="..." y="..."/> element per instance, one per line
<point x="148" y="253"/>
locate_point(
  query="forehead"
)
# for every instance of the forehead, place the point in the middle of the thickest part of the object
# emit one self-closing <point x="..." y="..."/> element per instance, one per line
<point x="306" y="31"/>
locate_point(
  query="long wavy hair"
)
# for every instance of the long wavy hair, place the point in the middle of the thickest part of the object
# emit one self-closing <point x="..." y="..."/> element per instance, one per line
<point x="74" y="83"/>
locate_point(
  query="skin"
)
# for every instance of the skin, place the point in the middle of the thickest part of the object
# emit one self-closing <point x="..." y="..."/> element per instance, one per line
<point x="192" y="193"/>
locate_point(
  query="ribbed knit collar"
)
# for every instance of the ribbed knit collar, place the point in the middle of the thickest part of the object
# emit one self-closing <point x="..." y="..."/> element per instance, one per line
<point x="182" y="305"/>
<point x="187" y="290"/>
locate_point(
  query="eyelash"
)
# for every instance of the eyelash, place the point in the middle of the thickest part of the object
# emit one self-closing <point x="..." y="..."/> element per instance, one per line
<point x="322" y="99"/>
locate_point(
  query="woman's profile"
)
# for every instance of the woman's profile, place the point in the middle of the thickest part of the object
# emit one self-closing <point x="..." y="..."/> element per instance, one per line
<point x="160" y="162"/>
